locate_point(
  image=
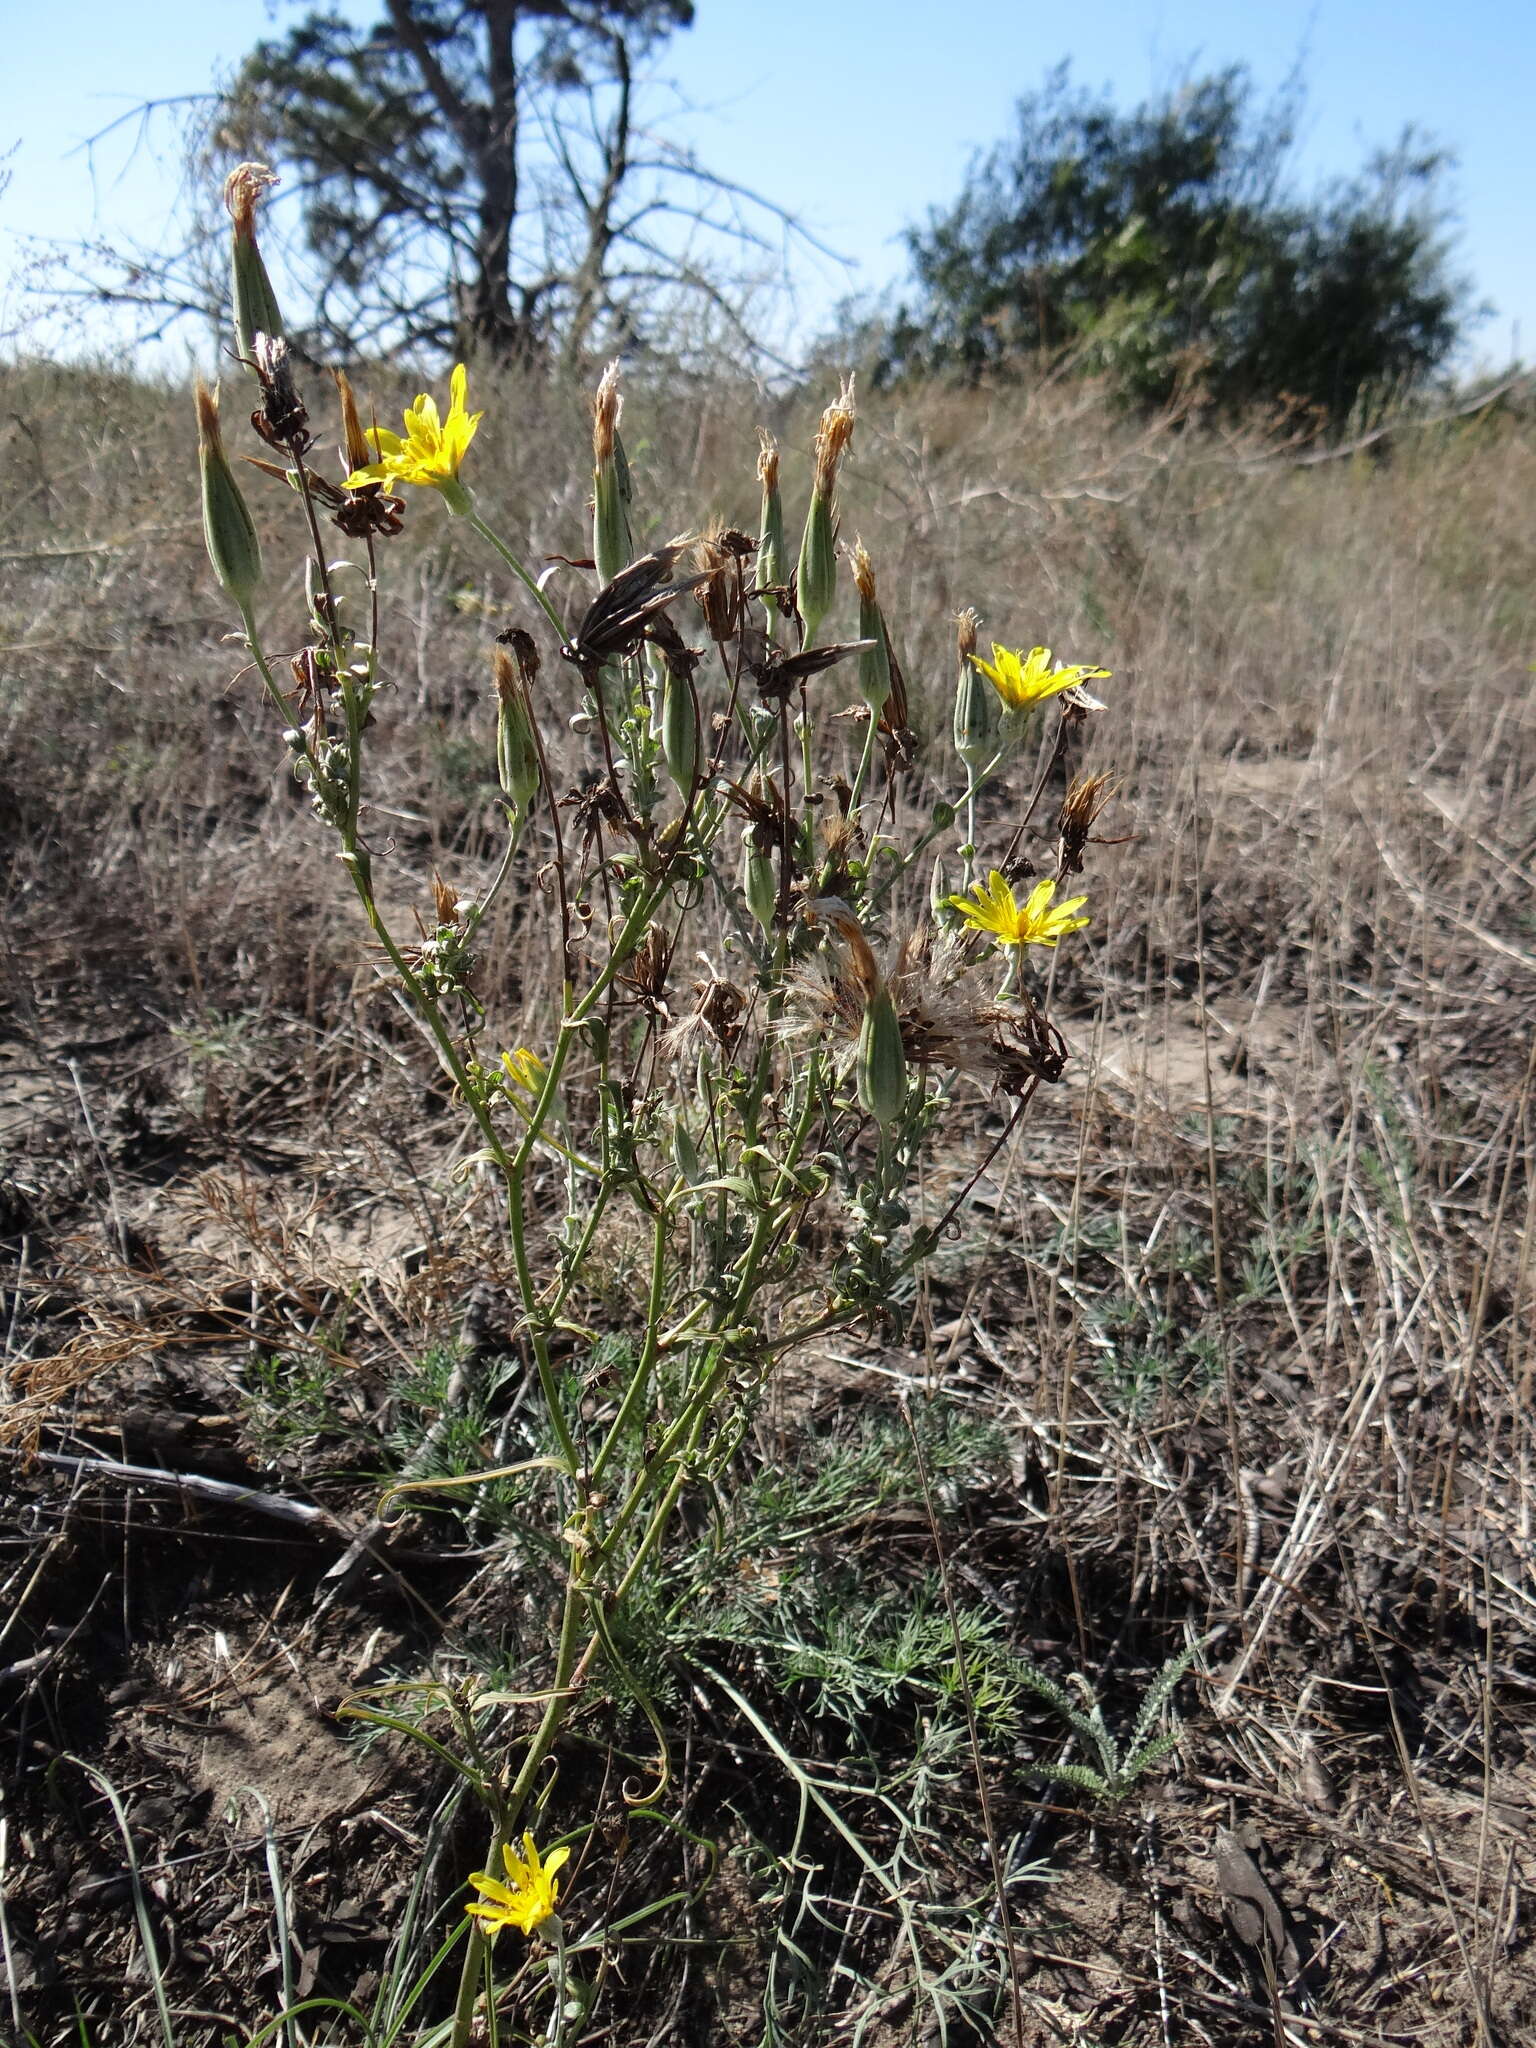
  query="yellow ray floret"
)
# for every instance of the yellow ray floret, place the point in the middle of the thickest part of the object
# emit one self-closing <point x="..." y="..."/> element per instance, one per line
<point x="1024" y="680"/>
<point x="525" y="1070"/>
<point x="527" y="1899"/>
<point x="432" y="448"/>
<point x="993" y="907"/>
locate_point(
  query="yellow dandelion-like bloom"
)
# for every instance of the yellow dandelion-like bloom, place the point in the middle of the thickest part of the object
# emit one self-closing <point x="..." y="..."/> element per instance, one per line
<point x="528" y="1897"/>
<point x="432" y="449"/>
<point x="993" y="907"/>
<point x="525" y="1070"/>
<point x="1025" y="680"/>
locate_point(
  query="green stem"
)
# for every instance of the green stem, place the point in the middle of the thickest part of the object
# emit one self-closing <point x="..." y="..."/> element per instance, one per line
<point x="640" y="1379"/>
<point x="682" y="1439"/>
<point x="926" y="838"/>
<point x="286" y="708"/>
<point x="511" y="1808"/>
<point x="475" y="1951"/>
<point x="495" y="541"/>
<point x="864" y="760"/>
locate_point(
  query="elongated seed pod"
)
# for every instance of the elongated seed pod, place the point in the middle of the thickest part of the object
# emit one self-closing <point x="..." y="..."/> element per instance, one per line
<point x="758" y="885"/>
<point x="816" y="576"/>
<point x="976" y="719"/>
<point x="517" y="753"/>
<point x="680" y="730"/>
<point x="875" y="661"/>
<point x="254" y="301"/>
<point x="882" y="1065"/>
<point x="228" y="529"/>
<point x="613" y="547"/>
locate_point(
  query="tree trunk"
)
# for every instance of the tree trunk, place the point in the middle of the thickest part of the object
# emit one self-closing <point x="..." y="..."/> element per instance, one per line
<point x="492" y="323"/>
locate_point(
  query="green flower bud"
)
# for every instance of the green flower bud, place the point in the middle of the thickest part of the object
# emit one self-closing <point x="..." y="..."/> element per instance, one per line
<point x="773" y="567"/>
<point x="816" y="583"/>
<point x="228" y="529"/>
<point x="255" y="303"/>
<point x="882" y="1065"/>
<point x="680" y="730"/>
<point x="816" y="578"/>
<point x="976" y="719"/>
<point x="874" y="662"/>
<point x="517" y="753"/>
<point x="758" y="885"/>
<point x="613" y="546"/>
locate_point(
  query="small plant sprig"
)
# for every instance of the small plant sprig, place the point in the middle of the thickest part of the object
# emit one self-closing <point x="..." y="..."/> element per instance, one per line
<point x="1116" y="1768"/>
<point x="800" y="1083"/>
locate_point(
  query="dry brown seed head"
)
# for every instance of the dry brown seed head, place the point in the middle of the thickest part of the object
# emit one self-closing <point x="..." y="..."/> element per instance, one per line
<point x="767" y="460"/>
<point x="862" y="967"/>
<point x="832" y="438"/>
<point x="966" y="623"/>
<point x="717" y="598"/>
<point x="1080" y="809"/>
<point x="208" y="417"/>
<point x="243" y="189"/>
<point x="840" y="836"/>
<point x="606" y="408"/>
<point x="354" y="443"/>
<point x="714" y="1019"/>
<point x="863" y="572"/>
<point x="650" y="965"/>
<point x="505" y="676"/>
<point x="445" y="901"/>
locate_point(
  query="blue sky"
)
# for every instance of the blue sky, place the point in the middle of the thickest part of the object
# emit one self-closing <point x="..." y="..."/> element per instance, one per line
<point x="859" y="114"/>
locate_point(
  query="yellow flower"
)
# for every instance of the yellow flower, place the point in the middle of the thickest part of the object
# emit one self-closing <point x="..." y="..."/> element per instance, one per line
<point x="1025" y="680"/>
<point x="528" y="1900"/>
<point x="432" y="450"/>
<point x="525" y="1070"/>
<point x="993" y="907"/>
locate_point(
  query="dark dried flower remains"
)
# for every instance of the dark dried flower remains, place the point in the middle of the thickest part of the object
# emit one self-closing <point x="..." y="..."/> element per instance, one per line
<point x="900" y="744"/>
<point x="524" y="651"/>
<point x="714" y="1022"/>
<point x="776" y="674"/>
<point x="599" y="804"/>
<point x="282" y="420"/>
<point x="616" y="620"/>
<point x="243" y="189"/>
<point x="1080" y="810"/>
<point x="681" y="659"/>
<point x="944" y="1022"/>
<point x="647" y="973"/>
<point x="761" y="803"/>
<point x="719" y="555"/>
<point x="368" y="509"/>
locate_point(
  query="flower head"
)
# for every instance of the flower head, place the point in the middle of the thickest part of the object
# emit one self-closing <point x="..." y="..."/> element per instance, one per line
<point x="432" y="450"/>
<point x="993" y="907"/>
<point x="1025" y="680"/>
<point x="527" y="1900"/>
<point x="525" y="1070"/>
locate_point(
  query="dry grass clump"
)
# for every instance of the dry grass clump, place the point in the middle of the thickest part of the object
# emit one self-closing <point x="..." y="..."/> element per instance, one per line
<point x="1233" y="1349"/>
